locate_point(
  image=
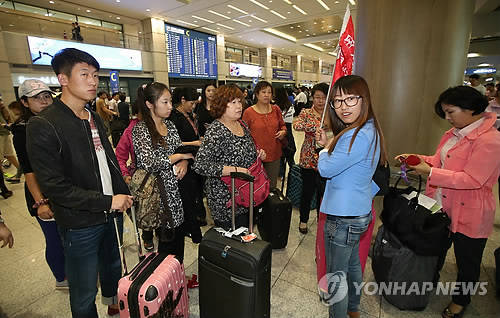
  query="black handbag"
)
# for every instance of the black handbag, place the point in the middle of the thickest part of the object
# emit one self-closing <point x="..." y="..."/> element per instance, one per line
<point x="381" y="178"/>
<point x="415" y="226"/>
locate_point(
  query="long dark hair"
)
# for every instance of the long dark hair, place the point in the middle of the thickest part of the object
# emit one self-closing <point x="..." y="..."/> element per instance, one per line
<point x="281" y="99"/>
<point x="150" y="93"/>
<point x="354" y="84"/>
<point x="204" y="95"/>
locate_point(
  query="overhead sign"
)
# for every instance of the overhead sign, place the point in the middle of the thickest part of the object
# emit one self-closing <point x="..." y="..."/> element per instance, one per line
<point x="245" y="70"/>
<point x="43" y="50"/>
<point x="281" y="74"/>
<point x="483" y="70"/>
<point x="114" y="81"/>
<point x="191" y="54"/>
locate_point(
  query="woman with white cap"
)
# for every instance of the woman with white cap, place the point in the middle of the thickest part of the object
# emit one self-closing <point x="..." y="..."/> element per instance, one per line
<point x="35" y="96"/>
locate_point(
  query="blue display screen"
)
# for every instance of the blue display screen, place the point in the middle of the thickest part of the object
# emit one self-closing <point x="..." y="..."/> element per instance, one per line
<point x="190" y="54"/>
<point x="42" y="50"/>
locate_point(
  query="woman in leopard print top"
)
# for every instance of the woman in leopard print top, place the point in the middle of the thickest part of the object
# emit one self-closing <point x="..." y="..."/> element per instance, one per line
<point x="155" y="140"/>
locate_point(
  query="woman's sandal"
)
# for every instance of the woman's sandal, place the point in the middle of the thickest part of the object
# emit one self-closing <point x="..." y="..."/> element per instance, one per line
<point x="448" y="314"/>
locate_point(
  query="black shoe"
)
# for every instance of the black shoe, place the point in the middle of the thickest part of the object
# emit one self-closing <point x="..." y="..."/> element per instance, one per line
<point x="6" y="194"/>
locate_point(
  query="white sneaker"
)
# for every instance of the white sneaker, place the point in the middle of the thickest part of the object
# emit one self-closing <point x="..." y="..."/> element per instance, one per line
<point x="62" y="285"/>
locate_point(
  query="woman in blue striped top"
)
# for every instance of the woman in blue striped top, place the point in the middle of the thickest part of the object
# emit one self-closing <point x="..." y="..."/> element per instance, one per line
<point x="348" y="161"/>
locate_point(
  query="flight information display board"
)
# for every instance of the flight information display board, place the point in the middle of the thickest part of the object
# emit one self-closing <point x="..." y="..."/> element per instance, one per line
<point x="190" y="54"/>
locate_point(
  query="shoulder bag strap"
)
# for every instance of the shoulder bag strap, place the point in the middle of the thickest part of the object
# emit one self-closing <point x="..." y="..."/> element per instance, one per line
<point x="143" y="183"/>
<point x="164" y="200"/>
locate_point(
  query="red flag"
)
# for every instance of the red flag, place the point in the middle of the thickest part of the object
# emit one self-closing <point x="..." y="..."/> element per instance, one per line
<point x="346" y="46"/>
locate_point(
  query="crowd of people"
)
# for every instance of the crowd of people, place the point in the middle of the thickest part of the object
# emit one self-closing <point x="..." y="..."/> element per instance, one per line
<point x="76" y="179"/>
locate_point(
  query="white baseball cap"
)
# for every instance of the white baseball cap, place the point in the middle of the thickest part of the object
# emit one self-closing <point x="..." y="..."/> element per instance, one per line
<point x="32" y="87"/>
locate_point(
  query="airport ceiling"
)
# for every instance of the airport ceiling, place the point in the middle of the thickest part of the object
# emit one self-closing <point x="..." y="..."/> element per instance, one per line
<point x="306" y="27"/>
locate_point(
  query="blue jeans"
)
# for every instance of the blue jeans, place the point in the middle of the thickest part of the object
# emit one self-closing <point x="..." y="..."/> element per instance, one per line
<point x="90" y="252"/>
<point x="342" y="237"/>
<point x="54" y="253"/>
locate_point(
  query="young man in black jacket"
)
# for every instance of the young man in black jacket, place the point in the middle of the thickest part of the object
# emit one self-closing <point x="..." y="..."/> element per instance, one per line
<point x="78" y="172"/>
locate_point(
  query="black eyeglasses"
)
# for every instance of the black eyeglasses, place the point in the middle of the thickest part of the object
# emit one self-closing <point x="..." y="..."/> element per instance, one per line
<point x="350" y="101"/>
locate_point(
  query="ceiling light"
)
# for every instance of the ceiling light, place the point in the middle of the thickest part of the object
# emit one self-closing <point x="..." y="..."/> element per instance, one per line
<point x="281" y="34"/>
<point x="323" y="4"/>
<point x="239" y="10"/>
<point x="215" y="31"/>
<point x="88" y="10"/>
<point x="352" y="2"/>
<point x="51" y="2"/>
<point x="336" y="2"/>
<point x="225" y="26"/>
<point x="118" y="1"/>
<point x="484" y="65"/>
<point x="259" y="4"/>
<point x="473" y="55"/>
<point x="288" y="1"/>
<point x="118" y="18"/>
<point x="188" y="23"/>
<point x="202" y="19"/>
<point x="299" y="9"/>
<point x="242" y="23"/>
<point x="219" y="14"/>
<point x="257" y="18"/>
<point x="276" y="13"/>
<point x="148" y="10"/>
<point x="489" y="79"/>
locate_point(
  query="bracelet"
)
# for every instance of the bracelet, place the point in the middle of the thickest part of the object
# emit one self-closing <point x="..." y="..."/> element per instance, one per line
<point x="40" y="203"/>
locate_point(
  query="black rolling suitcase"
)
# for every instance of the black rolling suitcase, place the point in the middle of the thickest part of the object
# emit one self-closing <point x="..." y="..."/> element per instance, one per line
<point x="394" y="265"/>
<point x="235" y="277"/>
<point x="274" y="217"/>
<point x="497" y="266"/>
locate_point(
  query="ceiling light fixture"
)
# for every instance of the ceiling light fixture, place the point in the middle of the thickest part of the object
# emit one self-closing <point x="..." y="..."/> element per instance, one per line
<point x="257" y="18"/>
<point x="473" y="55"/>
<point x="281" y="34"/>
<point x="202" y="19"/>
<point x="277" y="14"/>
<point x="323" y="5"/>
<point x="484" y="65"/>
<point x="118" y="18"/>
<point x="148" y="10"/>
<point x="225" y="26"/>
<point x="88" y="10"/>
<point x="242" y="23"/>
<point x="299" y="9"/>
<point x="259" y="4"/>
<point x="288" y="1"/>
<point x="215" y="31"/>
<point x="237" y="9"/>
<point x="51" y="2"/>
<point x="352" y="2"/>
<point x="181" y="21"/>
<point x="219" y="14"/>
<point x="118" y="1"/>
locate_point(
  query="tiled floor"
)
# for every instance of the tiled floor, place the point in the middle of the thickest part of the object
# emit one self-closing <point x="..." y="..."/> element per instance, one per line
<point x="27" y="285"/>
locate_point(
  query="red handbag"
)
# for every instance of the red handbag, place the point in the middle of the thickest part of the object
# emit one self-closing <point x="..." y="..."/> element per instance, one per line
<point x="242" y="191"/>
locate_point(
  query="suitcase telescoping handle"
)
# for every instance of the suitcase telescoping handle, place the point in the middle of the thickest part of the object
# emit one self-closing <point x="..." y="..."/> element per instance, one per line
<point x="249" y="178"/>
<point x="119" y="241"/>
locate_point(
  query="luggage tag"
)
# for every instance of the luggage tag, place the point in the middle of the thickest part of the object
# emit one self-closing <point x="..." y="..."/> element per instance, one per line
<point x="248" y="238"/>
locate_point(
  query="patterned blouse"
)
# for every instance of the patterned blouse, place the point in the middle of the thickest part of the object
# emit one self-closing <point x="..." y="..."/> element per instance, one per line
<point x="220" y="148"/>
<point x="155" y="160"/>
<point x="307" y="121"/>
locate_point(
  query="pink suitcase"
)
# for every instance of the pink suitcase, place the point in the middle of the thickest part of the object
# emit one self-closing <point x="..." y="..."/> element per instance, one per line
<point x="156" y="287"/>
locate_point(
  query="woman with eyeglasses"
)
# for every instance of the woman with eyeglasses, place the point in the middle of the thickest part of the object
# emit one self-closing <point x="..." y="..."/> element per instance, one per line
<point x="348" y="161"/>
<point x="309" y="121"/>
<point x="36" y="96"/>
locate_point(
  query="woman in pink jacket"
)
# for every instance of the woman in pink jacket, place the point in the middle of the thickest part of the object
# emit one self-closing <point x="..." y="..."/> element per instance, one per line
<point x="462" y="173"/>
<point x="125" y="148"/>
